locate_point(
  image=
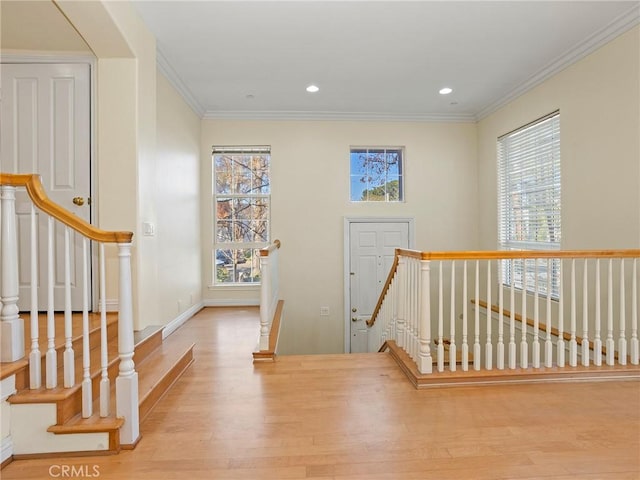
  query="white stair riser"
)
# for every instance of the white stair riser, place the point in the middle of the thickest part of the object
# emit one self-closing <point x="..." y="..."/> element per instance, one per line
<point x="29" y="423"/>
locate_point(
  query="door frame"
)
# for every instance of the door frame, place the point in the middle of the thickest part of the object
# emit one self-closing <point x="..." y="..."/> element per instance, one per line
<point x="92" y="61"/>
<point x="347" y="262"/>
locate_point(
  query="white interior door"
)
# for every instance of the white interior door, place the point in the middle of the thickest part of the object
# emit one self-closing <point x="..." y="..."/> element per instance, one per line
<point x="45" y="128"/>
<point x="371" y="251"/>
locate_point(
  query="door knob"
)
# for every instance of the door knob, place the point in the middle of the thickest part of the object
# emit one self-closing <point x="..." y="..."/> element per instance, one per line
<point x="78" y="201"/>
<point x="354" y="319"/>
<point x="354" y="309"/>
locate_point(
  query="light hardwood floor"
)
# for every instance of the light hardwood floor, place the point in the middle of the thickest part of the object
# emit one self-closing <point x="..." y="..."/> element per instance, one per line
<point x="357" y="417"/>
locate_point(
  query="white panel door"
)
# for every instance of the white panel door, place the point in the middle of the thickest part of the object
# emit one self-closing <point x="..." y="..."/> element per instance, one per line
<point x="45" y="129"/>
<point x="371" y="251"/>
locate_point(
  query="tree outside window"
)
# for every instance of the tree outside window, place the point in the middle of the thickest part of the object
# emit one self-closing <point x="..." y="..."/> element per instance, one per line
<point x="241" y="212"/>
<point x="377" y="175"/>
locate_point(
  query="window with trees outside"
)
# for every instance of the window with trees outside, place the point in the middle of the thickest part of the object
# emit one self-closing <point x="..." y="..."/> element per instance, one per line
<point x="529" y="213"/>
<point x="377" y="174"/>
<point x="241" y="200"/>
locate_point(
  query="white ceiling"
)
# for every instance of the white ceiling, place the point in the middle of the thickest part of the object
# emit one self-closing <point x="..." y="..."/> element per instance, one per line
<point x="371" y="59"/>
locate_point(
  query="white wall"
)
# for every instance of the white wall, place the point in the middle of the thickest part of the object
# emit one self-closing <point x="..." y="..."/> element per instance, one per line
<point x="310" y="198"/>
<point x="37" y="26"/>
<point x="599" y="102"/>
<point x="177" y="204"/>
<point x="126" y="134"/>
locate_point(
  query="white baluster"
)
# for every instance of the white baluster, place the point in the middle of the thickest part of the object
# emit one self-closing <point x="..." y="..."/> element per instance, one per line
<point x="560" y="342"/>
<point x="402" y="290"/>
<point x="488" y="348"/>
<point x="440" y="349"/>
<point x="524" y="346"/>
<point x="425" y="362"/>
<point x="452" y="320"/>
<point x="465" y="299"/>
<point x="536" y="318"/>
<point x="476" y="340"/>
<point x="597" y="341"/>
<point x="512" y="319"/>
<point x="127" y="381"/>
<point x="51" y="357"/>
<point x="610" y="345"/>
<point x="394" y="307"/>
<point x="406" y="341"/>
<point x="500" y="350"/>
<point x="573" y="344"/>
<point x="265" y="303"/>
<point x="105" y="383"/>
<point x="69" y="355"/>
<point x="12" y="326"/>
<point x="634" y="348"/>
<point x="87" y="395"/>
<point x="413" y="292"/>
<point x="548" y="346"/>
<point x="622" y="339"/>
<point x="585" y="317"/>
<point x="35" y="360"/>
<point x="418" y="305"/>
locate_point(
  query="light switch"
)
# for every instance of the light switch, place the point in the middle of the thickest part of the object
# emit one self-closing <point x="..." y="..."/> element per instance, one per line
<point x="148" y="229"/>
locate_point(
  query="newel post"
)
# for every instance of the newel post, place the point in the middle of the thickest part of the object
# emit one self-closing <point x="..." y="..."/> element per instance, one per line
<point x="12" y="326"/>
<point x="265" y="302"/>
<point x="127" y="381"/>
<point x="425" y="363"/>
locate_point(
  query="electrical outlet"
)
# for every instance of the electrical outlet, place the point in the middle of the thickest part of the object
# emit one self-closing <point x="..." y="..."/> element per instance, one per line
<point x="324" y="311"/>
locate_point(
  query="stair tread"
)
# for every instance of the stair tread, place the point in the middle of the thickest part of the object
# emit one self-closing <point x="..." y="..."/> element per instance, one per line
<point x="95" y="423"/>
<point x="140" y="337"/>
<point x="161" y="360"/>
<point x="76" y="328"/>
<point x="151" y="372"/>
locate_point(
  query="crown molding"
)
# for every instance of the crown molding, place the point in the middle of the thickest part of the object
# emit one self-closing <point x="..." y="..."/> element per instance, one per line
<point x="617" y="27"/>
<point x="174" y="79"/>
<point x="339" y="116"/>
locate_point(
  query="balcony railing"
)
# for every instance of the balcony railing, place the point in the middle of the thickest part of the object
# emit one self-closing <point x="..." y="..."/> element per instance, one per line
<point x="474" y="311"/>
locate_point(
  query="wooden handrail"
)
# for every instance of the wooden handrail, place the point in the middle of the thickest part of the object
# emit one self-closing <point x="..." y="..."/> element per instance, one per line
<point x="33" y="184"/>
<point x="385" y="288"/>
<point x="266" y="251"/>
<point x="526" y="254"/>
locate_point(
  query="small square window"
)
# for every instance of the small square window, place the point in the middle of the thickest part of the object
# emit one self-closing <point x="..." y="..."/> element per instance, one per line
<point x="377" y="174"/>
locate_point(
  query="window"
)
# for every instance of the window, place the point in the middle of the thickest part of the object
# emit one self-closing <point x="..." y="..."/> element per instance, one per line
<point x="241" y="199"/>
<point x="529" y="199"/>
<point x="377" y="175"/>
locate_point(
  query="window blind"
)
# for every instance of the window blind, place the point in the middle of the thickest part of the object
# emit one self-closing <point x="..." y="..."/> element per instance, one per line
<point x="529" y="194"/>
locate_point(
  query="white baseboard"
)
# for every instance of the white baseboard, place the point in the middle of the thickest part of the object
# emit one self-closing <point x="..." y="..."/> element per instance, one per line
<point x="110" y="305"/>
<point x="174" y="324"/>
<point x="230" y="303"/>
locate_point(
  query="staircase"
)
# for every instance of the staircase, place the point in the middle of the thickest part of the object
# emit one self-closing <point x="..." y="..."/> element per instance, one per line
<point x="49" y="421"/>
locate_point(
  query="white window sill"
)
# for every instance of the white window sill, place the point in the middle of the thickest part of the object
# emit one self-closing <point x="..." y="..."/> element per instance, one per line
<point x="235" y="286"/>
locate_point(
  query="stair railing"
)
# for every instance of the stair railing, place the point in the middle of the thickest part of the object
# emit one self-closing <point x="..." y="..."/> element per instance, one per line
<point x="12" y="324"/>
<point x="269" y="291"/>
<point x="587" y="300"/>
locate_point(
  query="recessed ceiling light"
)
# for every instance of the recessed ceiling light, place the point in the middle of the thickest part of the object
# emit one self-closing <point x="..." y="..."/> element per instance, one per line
<point x="445" y="91"/>
<point x="312" y="88"/>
